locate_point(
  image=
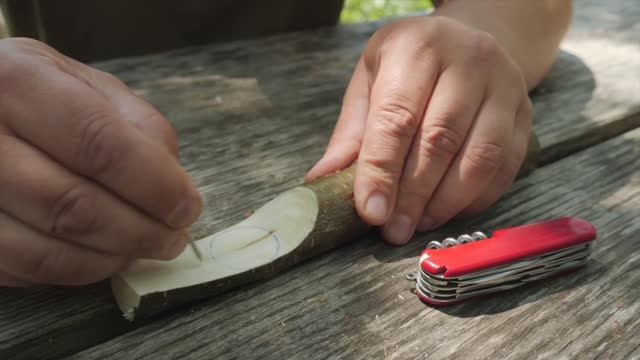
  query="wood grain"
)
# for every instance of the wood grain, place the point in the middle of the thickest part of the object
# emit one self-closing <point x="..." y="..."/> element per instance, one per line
<point x="593" y="90"/>
<point x="355" y="303"/>
<point x="253" y="116"/>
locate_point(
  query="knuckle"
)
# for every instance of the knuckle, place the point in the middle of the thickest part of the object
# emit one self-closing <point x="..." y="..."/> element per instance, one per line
<point x="527" y="111"/>
<point x="170" y="138"/>
<point x="509" y="170"/>
<point x="440" y="141"/>
<point x="518" y="80"/>
<point x="166" y="131"/>
<point x="512" y="81"/>
<point x="98" y="151"/>
<point x="421" y="43"/>
<point x="439" y="24"/>
<point x="413" y="192"/>
<point x="509" y="173"/>
<point x="482" y="48"/>
<point x="484" y="158"/>
<point x="388" y="46"/>
<point x="112" y="78"/>
<point x="513" y="165"/>
<point x="396" y="119"/>
<point x="347" y="144"/>
<point x="35" y="49"/>
<point x="418" y="45"/>
<point x="74" y="212"/>
<point x="27" y="42"/>
<point x="379" y="174"/>
<point x="382" y="172"/>
<point x="370" y="58"/>
<point x="413" y="37"/>
<point x="27" y="46"/>
<point x="11" y="69"/>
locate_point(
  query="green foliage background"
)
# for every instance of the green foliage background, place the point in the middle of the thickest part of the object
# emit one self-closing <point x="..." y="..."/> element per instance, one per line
<point x="367" y="10"/>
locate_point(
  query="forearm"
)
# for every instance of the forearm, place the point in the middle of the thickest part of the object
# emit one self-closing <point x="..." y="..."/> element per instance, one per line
<point x="530" y="31"/>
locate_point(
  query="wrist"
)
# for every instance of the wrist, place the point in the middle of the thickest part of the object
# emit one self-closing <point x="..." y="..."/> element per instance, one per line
<point x="504" y="37"/>
<point x="515" y="25"/>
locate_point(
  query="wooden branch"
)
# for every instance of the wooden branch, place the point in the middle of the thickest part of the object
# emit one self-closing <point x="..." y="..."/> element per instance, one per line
<point x="296" y="225"/>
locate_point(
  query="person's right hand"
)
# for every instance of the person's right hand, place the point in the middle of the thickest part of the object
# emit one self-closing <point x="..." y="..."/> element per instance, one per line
<point x="89" y="176"/>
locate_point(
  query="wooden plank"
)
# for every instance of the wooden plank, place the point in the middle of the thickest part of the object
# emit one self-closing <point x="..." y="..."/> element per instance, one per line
<point x="593" y="91"/>
<point x="355" y="302"/>
<point x="214" y="123"/>
<point x="97" y="30"/>
<point x="283" y="94"/>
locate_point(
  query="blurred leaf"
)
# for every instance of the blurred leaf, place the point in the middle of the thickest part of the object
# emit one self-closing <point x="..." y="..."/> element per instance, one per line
<point x="368" y="10"/>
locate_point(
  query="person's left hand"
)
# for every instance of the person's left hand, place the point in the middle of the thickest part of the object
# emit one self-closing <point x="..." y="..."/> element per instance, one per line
<point x="438" y="116"/>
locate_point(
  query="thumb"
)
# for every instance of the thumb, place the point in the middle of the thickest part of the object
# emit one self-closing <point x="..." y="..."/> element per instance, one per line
<point x="346" y="140"/>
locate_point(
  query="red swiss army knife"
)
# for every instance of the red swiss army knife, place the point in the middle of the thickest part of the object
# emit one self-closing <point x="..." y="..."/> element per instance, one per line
<point x="458" y="269"/>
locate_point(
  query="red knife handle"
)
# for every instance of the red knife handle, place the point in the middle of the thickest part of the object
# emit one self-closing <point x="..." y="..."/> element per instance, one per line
<point x="506" y="246"/>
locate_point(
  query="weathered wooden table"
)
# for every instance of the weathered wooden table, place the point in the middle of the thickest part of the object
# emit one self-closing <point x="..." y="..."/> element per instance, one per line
<point x="253" y="116"/>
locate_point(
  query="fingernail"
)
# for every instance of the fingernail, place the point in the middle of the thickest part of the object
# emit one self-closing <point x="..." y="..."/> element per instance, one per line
<point x="377" y="207"/>
<point x="185" y="214"/>
<point x="310" y="175"/>
<point x="399" y="230"/>
<point x="427" y="224"/>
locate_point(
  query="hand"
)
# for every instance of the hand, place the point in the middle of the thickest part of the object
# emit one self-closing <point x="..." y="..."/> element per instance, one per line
<point x="89" y="178"/>
<point x="438" y="117"/>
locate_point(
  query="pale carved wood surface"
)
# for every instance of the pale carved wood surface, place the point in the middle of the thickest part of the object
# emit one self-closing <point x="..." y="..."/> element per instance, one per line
<point x="253" y="116"/>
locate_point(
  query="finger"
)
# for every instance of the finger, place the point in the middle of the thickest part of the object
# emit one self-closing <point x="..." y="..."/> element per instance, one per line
<point x="12" y="281"/>
<point x="29" y="255"/>
<point x="506" y="175"/>
<point x="448" y="118"/>
<point x="44" y="195"/>
<point x="130" y="107"/>
<point x="346" y="140"/>
<point x="134" y="109"/>
<point x="479" y="160"/>
<point x="99" y="144"/>
<point x="399" y="95"/>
